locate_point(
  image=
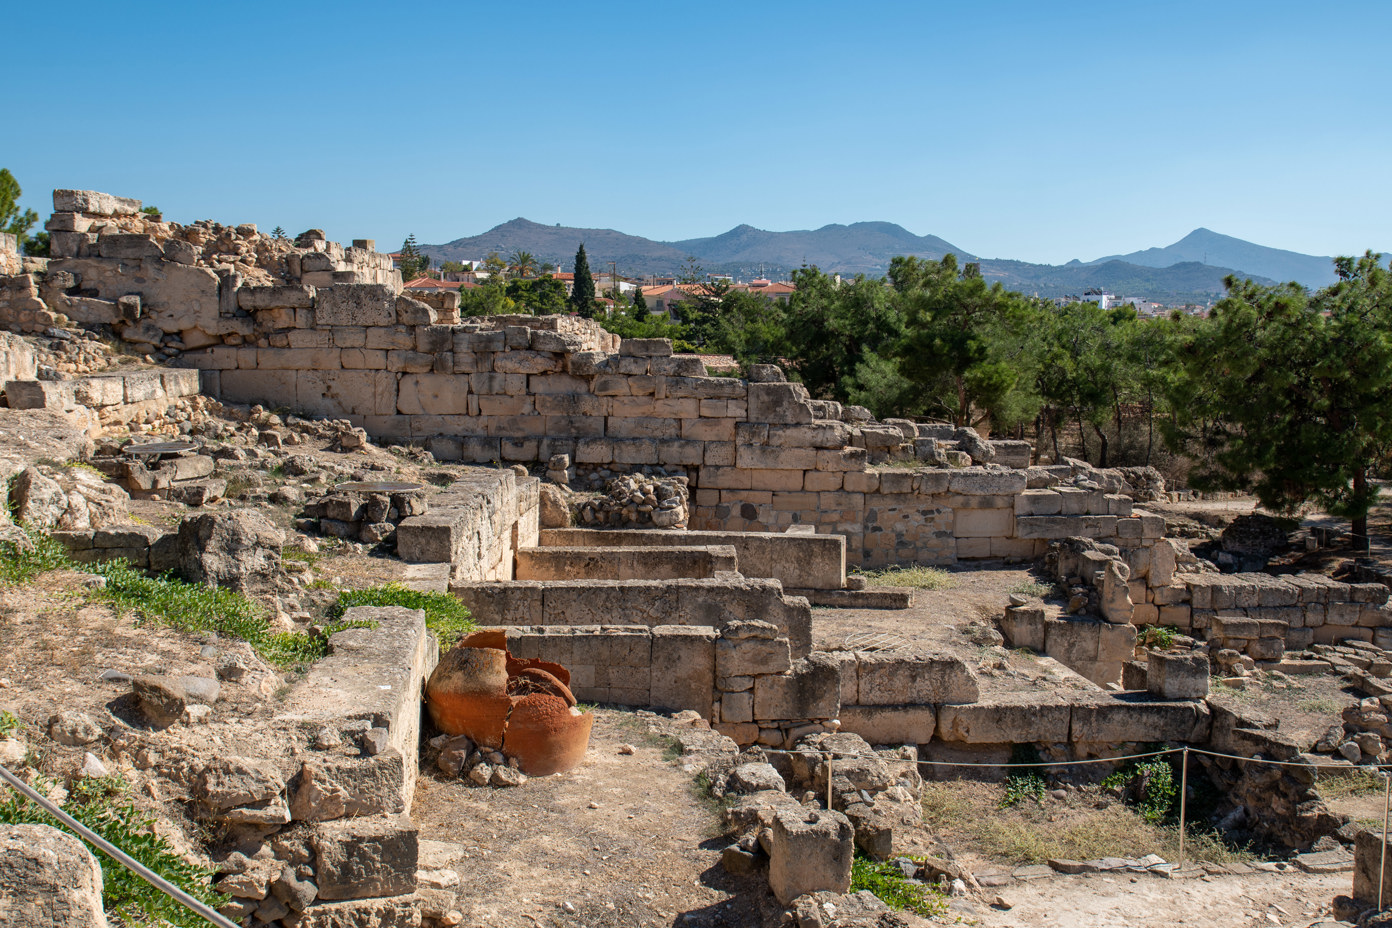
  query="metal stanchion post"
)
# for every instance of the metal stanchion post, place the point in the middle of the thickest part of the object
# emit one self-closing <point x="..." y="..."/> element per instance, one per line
<point x="1382" y="863"/>
<point x="1183" y="799"/>
<point x="829" y="759"/>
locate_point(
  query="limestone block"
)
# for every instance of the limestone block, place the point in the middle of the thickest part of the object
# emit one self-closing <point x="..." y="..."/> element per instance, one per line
<point x="890" y="724"/>
<point x="334" y="394"/>
<point x="708" y="429"/>
<point x="1177" y="676"/>
<point x="844" y="459"/>
<point x="683" y="668"/>
<point x="365" y="857"/>
<point x="752" y="656"/>
<point x="916" y="680"/>
<point x="49" y="878"/>
<point x="980" y="523"/>
<point x="1023" y="627"/>
<point x="1072" y="641"/>
<point x="764" y="457"/>
<point x="781" y="403"/>
<point x="1065" y="526"/>
<point x="1128" y="717"/>
<point x="653" y="428"/>
<point x="810" y="690"/>
<point x="356" y="304"/>
<point x="645" y="348"/>
<point x="432" y="394"/>
<point x="977" y="482"/>
<point x="1368" y="865"/>
<point x="810" y="850"/>
<point x="93" y="203"/>
<point x="1006" y="720"/>
<point x="525" y="362"/>
<point x="1038" y="503"/>
<point x="1116" y="643"/>
<point x="274" y="297"/>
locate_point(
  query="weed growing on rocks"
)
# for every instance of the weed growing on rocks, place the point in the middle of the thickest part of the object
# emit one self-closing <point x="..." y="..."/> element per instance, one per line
<point x="22" y="561"/>
<point x="888" y="884"/>
<point x="446" y="616"/>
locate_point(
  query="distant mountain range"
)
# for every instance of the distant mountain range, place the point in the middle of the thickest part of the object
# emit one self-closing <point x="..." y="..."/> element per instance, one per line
<point x="1190" y="270"/>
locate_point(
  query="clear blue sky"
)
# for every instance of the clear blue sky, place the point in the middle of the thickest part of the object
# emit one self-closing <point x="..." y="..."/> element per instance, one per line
<point x="1032" y="130"/>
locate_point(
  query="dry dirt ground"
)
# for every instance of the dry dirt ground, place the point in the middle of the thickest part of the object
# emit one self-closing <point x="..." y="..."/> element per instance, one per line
<point x="1267" y="900"/>
<point x="621" y="840"/>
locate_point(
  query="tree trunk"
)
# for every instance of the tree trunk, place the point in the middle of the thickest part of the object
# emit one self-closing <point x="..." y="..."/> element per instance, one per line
<point x="1102" y="440"/>
<point x="1150" y="427"/>
<point x="1360" y="524"/>
<point x="1082" y="434"/>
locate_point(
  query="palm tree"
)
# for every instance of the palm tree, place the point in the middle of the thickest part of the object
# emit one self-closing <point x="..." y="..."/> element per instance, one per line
<point x="523" y="263"/>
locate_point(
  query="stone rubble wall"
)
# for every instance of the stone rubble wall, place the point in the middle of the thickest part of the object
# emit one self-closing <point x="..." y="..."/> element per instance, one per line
<point x="10" y="261"/>
<point x="327" y="331"/>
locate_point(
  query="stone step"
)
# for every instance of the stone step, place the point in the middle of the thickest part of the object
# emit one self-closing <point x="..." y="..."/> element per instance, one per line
<point x="870" y="598"/>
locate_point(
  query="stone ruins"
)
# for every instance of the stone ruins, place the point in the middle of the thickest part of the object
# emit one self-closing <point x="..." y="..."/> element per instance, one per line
<point x="730" y="508"/>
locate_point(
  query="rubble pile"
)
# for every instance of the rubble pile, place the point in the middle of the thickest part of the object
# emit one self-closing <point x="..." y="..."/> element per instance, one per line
<point x="638" y="501"/>
<point x="367" y="511"/>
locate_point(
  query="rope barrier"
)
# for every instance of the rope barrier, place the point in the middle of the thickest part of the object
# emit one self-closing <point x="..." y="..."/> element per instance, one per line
<point x="115" y="853"/>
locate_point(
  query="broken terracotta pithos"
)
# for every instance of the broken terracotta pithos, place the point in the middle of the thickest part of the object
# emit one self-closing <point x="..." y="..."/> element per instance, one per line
<point x="523" y="708"/>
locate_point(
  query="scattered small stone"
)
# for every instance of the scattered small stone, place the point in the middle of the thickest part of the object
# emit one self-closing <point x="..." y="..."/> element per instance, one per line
<point x="375" y="741"/>
<point x="626" y="749"/>
<point x="594" y="805"/>
<point x="73" y="728"/>
<point x="92" y="766"/>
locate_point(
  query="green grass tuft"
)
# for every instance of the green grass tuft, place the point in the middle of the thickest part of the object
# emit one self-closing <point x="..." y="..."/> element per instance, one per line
<point x="104" y="805"/>
<point x="21" y="562"/>
<point x="919" y="578"/>
<point x="445" y="615"/>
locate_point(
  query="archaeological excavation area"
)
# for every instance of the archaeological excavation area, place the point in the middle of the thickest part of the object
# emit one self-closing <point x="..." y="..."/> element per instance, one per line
<point x="687" y="648"/>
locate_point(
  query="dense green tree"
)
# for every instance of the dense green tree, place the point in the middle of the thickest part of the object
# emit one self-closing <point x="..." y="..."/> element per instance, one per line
<point x="640" y="305"/>
<point x="13" y="220"/>
<point x="965" y="343"/>
<point x="1285" y="395"/>
<point x="38" y="245"/>
<point x="625" y="323"/>
<point x="541" y="296"/>
<point x="494" y="265"/>
<point x="278" y="233"/>
<point x="582" y="294"/>
<point x="487" y="299"/>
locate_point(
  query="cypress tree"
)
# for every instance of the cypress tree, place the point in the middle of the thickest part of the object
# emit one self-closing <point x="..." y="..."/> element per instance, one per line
<point x="582" y="295"/>
<point x="640" y="305"/>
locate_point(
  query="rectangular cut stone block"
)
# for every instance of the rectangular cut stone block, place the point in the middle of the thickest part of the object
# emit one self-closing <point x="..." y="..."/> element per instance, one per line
<point x="779" y="403"/>
<point x="1368" y="865"/>
<point x="1006" y="720"/>
<point x="1065" y="526"/>
<point x="1023" y="627"/>
<point x="355" y="304"/>
<point x="924" y="679"/>
<point x="433" y="394"/>
<point x="751" y="656"/>
<point x="1038" y="503"/>
<point x="811" y="690"/>
<point x="365" y="857"/>
<point x="683" y="668"/>
<point x="1125" y="717"/>
<point x="981" y="523"/>
<point x="1177" y="676"/>
<point x="890" y="724"/>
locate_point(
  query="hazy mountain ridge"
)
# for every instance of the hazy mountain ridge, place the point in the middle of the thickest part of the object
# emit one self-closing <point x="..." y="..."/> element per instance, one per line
<point x="1175" y="273"/>
<point x="1213" y="248"/>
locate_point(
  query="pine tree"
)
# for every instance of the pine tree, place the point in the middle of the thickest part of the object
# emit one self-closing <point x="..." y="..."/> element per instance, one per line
<point x="277" y="232"/>
<point x="411" y="262"/>
<point x="639" y="312"/>
<point x="582" y="295"/>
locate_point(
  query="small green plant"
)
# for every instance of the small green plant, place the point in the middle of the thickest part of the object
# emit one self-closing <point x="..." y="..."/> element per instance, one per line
<point x="919" y="578"/>
<point x="885" y="881"/>
<point x="104" y="805"/>
<point x="300" y="555"/>
<point x="1023" y="782"/>
<point x="1149" y="785"/>
<point x="22" y="561"/>
<point x="9" y="723"/>
<point x="1320" y="705"/>
<point x="1031" y="588"/>
<point x="1160" y="637"/>
<point x="446" y="616"/>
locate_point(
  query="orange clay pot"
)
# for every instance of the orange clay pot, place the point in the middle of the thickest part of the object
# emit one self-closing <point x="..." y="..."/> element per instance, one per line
<point x="523" y="708"/>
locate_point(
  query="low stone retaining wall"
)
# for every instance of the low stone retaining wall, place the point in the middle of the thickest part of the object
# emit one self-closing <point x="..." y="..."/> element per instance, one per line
<point x="115" y="398"/>
<point x="814" y="562"/>
<point x="650" y="603"/>
<point x="604" y="563"/>
<point x="144" y="546"/>
<point x="477" y="526"/>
